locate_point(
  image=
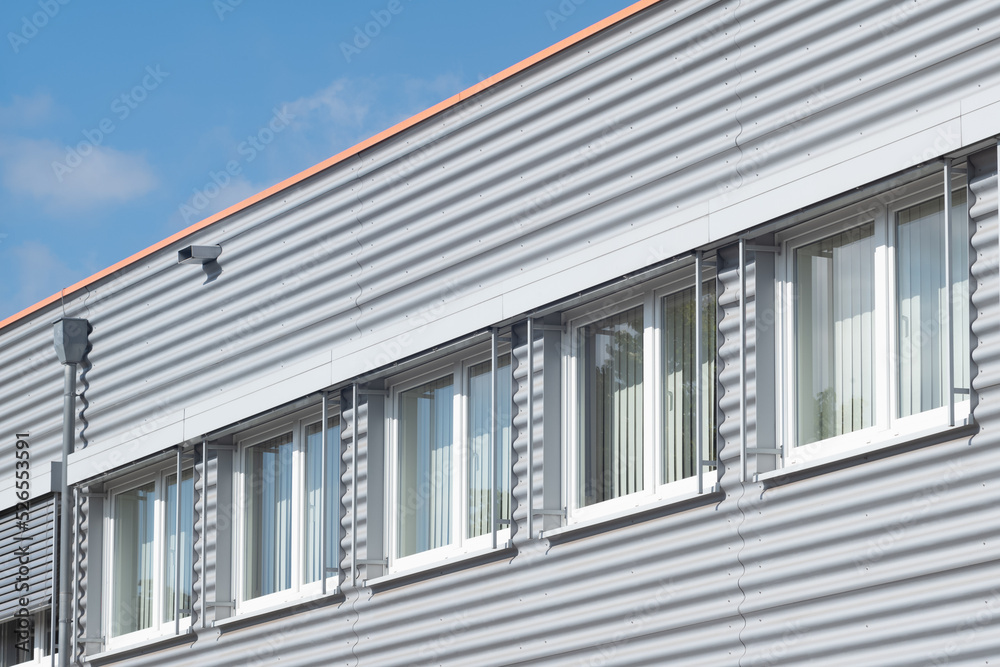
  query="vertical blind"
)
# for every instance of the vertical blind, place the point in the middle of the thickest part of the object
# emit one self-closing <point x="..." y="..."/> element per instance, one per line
<point x="835" y="339"/>
<point x="922" y="303"/>
<point x="680" y="456"/>
<point x="183" y="543"/>
<point x="424" y="463"/>
<point x="610" y="407"/>
<point x="314" y="496"/>
<point x="267" y="542"/>
<point x="480" y="484"/>
<point x="134" y="530"/>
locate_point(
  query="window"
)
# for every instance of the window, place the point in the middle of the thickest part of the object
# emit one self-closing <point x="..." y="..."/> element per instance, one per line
<point x="281" y="496"/>
<point x="442" y="458"/>
<point x="143" y="554"/>
<point x="632" y="374"/>
<point x="866" y="345"/>
<point x="24" y="640"/>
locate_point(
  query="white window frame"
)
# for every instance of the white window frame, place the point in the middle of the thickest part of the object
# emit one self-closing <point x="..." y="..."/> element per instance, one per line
<point x="458" y="366"/>
<point x="296" y="425"/>
<point x="650" y="296"/>
<point x="887" y="427"/>
<point x="161" y="627"/>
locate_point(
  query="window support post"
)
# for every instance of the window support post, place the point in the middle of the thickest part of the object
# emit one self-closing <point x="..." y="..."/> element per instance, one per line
<point x="530" y="334"/>
<point x="204" y="524"/>
<point x="354" y="485"/>
<point x="74" y="493"/>
<point x="177" y="545"/>
<point x="323" y="491"/>
<point x="743" y="358"/>
<point x="698" y="354"/>
<point x="54" y="586"/>
<point x="949" y="296"/>
<point x="494" y="449"/>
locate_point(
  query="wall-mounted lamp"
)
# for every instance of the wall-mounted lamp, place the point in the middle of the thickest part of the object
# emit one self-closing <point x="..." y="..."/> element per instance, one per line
<point x="198" y="254"/>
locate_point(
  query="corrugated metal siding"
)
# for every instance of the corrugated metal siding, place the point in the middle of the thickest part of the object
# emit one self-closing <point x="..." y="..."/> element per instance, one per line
<point x="81" y="580"/>
<point x="543" y="184"/>
<point x="527" y="469"/>
<point x="474" y="215"/>
<point x="37" y="537"/>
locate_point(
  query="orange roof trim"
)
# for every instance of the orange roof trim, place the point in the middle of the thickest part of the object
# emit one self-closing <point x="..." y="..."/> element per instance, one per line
<point x="339" y="157"/>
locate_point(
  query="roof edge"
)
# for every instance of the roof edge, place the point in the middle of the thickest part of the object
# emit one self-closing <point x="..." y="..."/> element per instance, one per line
<point x="398" y="128"/>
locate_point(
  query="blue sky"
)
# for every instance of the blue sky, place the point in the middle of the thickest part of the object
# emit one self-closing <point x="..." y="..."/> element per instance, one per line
<point x="115" y="115"/>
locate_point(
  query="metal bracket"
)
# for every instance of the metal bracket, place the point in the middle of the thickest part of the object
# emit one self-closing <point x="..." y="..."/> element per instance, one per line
<point x="222" y="603"/>
<point x="373" y="392"/>
<point x="371" y="561"/>
<point x="504" y="522"/>
<point x="764" y="248"/>
<point x="764" y="450"/>
<point x="224" y="448"/>
<point x="92" y="494"/>
<point x="549" y="327"/>
<point x="710" y="463"/>
<point x="561" y="512"/>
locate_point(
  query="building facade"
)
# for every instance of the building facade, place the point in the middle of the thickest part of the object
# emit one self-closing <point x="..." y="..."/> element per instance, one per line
<point x="673" y="345"/>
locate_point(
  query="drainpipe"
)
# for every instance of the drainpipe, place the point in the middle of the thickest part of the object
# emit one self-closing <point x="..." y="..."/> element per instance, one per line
<point x="71" y="342"/>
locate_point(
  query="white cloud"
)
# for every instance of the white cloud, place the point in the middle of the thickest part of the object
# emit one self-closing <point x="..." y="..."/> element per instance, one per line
<point x="71" y="179"/>
<point x="345" y="102"/>
<point x="26" y="111"/>
<point x="39" y="274"/>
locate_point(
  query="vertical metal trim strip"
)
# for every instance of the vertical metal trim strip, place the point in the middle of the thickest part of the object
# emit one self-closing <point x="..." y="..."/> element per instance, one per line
<point x="177" y="548"/>
<point x="204" y="524"/>
<point x="494" y="450"/>
<point x="354" y="485"/>
<point x="698" y="353"/>
<point x="949" y="296"/>
<point x="76" y="575"/>
<point x="509" y="489"/>
<point x="743" y="359"/>
<point x="53" y="619"/>
<point x="322" y="494"/>
<point x="530" y="334"/>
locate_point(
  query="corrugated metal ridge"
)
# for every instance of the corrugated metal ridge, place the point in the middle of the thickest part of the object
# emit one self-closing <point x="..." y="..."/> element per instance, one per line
<point x="342" y="156"/>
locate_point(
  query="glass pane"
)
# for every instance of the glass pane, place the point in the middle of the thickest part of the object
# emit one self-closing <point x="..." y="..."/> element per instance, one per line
<point x="267" y="525"/>
<point x="610" y="410"/>
<point x="425" y="443"/>
<point x="680" y="458"/>
<point x="17" y="641"/>
<point x="922" y="304"/>
<point x="170" y="550"/>
<point x="479" y="444"/>
<point x="314" y="497"/>
<point x="132" y="601"/>
<point x="834" y="338"/>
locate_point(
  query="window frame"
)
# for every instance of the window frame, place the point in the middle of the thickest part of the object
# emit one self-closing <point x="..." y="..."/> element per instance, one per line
<point x="882" y="211"/>
<point x="650" y="295"/>
<point x="458" y="366"/>
<point x="296" y="424"/>
<point x="160" y="627"/>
